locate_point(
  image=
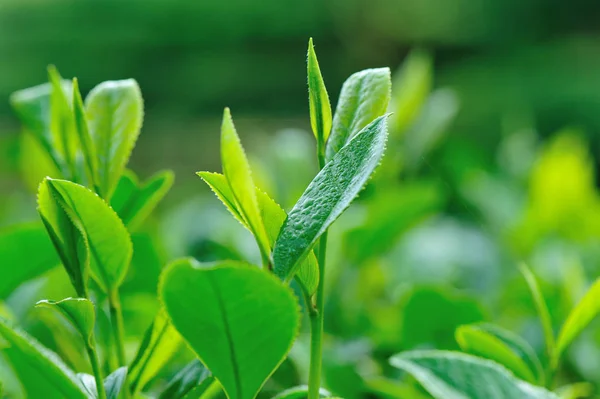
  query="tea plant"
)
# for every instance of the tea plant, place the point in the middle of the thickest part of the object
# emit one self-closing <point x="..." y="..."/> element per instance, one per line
<point x="239" y="319"/>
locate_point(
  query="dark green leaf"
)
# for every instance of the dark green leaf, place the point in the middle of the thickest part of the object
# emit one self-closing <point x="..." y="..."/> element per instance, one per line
<point x="327" y="196"/>
<point x="194" y="376"/>
<point x="115" y="113"/>
<point x="250" y="317"/>
<point x="365" y="96"/>
<point x="80" y="313"/>
<point x="453" y="375"/>
<point x="318" y="100"/>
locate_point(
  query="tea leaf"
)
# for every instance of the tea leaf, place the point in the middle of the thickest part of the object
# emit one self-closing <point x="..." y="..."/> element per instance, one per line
<point x="365" y="96"/>
<point x="501" y="346"/>
<point x="192" y="378"/>
<point x="250" y="317"/>
<point x="85" y="139"/>
<point x="107" y="242"/>
<point x="26" y="252"/>
<point x="26" y="349"/>
<point x="273" y="217"/>
<point x="134" y="201"/>
<point x="318" y="100"/>
<point x="237" y="172"/>
<point x="78" y="311"/>
<point x="327" y="196"/>
<point x="453" y="375"/>
<point x="114" y="382"/>
<point x="115" y="113"/>
<point x="157" y="348"/>
<point x="300" y="392"/>
<point x="579" y="318"/>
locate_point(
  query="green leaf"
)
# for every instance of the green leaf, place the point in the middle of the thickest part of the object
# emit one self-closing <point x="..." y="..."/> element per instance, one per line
<point x="300" y="392"/>
<point x="250" y="317"/>
<point x="365" y="96"/>
<point x="578" y="390"/>
<point x="107" y="243"/>
<point x="327" y="196"/>
<point x="501" y="346"/>
<point x="579" y="318"/>
<point x="540" y="306"/>
<point x="115" y="113"/>
<point x="193" y="377"/>
<point x="318" y="100"/>
<point x="158" y="346"/>
<point x="26" y="253"/>
<point x="453" y="375"/>
<point x="273" y="217"/>
<point x="44" y="361"/>
<point x="85" y="139"/>
<point x="237" y="172"/>
<point x="114" y="382"/>
<point x="134" y="201"/>
<point x="80" y="313"/>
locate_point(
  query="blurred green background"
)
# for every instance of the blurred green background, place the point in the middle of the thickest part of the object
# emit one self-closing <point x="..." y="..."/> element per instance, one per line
<point x="492" y="160"/>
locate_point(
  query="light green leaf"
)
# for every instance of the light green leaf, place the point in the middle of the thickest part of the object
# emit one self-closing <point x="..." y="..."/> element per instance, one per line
<point x="26" y="349"/>
<point x="272" y="215"/>
<point x="192" y="378"/>
<point x="114" y="382"/>
<point x="300" y="392"/>
<point x="501" y="346"/>
<point x="578" y="390"/>
<point x="250" y="317"/>
<point x="107" y="242"/>
<point x="26" y="253"/>
<point x="365" y="96"/>
<point x="134" y="201"/>
<point x="318" y="100"/>
<point x="85" y="139"/>
<point x="580" y="317"/>
<point x="327" y="196"/>
<point x="114" y="113"/>
<point x="541" y="307"/>
<point x="80" y="313"/>
<point x="159" y="345"/>
<point x="453" y="375"/>
<point x="237" y="171"/>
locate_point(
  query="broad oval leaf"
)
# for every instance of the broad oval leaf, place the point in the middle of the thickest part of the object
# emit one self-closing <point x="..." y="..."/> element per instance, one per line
<point x="240" y="321"/>
<point x="194" y="377"/>
<point x="501" y="346"/>
<point x="237" y="172"/>
<point x="47" y="363"/>
<point x="365" y="96"/>
<point x="453" y="375"/>
<point x="114" y="112"/>
<point x="272" y="215"/>
<point x="134" y="201"/>
<point x="106" y="239"/>
<point x="318" y="99"/>
<point x="78" y="311"/>
<point x="327" y="196"/>
<point x="579" y="318"/>
<point x="26" y="252"/>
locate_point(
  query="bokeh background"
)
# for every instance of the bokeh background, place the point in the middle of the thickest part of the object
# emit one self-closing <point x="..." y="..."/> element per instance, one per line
<point x="492" y="160"/>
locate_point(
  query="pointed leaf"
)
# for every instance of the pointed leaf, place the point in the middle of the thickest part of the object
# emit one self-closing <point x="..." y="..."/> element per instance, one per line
<point x="503" y="347"/>
<point x="114" y="382"/>
<point x="134" y="202"/>
<point x="365" y="96"/>
<point x="158" y="346"/>
<point x="318" y="100"/>
<point x="580" y="317"/>
<point x="44" y="361"/>
<point x="115" y="113"/>
<point x="26" y="253"/>
<point x="272" y="215"/>
<point x="453" y="375"/>
<point x="327" y="196"/>
<point x="192" y="377"/>
<point x="79" y="311"/>
<point x="246" y="324"/>
<point x="237" y="171"/>
<point x="85" y="139"/>
<point x="106" y="238"/>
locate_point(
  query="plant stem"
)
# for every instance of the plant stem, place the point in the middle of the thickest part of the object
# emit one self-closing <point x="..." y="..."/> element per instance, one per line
<point x="316" y="326"/>
<point x="91" y="350"/>
<point x="118" y="328"/>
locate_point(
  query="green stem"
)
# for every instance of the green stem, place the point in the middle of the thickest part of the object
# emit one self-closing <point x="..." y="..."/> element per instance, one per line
<point x="91" y="350"/>
<point x="118" y="328"/>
